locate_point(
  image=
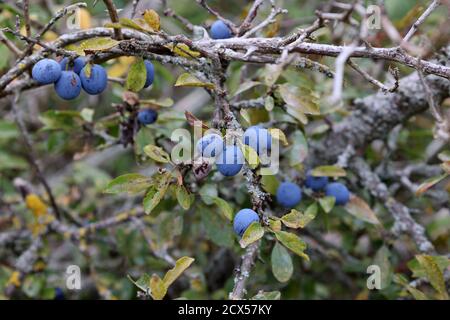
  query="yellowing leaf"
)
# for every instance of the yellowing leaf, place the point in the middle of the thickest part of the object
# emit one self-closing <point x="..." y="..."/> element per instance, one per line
<point x="328" y="171"/>
<point x="434" y="275"/>
<point x="156" y="192"/>
<point x="274" y="225"/>
<point x="250" y="155"/>
<point x="183" y="50"/>
<point x="279" y="135"/>
<point x="136" y="24"/>
<point x="296" y="219"/>
<point x="136" y="76"/>
<point x="361" y="210"/>
<point x="36" y="205"/>
<point x="180" y="266"/>
<point x="253" y="233"/>
<point x="84" y="18"/>
<point x="121" y="67"/>
<point x="14" y="279"/>
<point x="152" y="19"/>
<point x="97" y="44"/>
<point x="293" y="243"/>
<point x="429" y="183"/>
<point x="157" y="153"/>
<point x="189" y="80"/>
<point x="157" y="288"/>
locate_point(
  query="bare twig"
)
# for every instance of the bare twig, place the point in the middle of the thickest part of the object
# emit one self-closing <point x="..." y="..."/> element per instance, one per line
<point x="415" y="26"/>
<point x="32" y="154"/>
<point x="114" y="17"/>
<point x="251" y="15"/>
<point x="374" y="81"/>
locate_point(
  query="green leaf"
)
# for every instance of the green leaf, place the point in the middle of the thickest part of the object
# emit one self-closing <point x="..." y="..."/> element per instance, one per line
<point x="361" y="210"/>
<point x="296" y="219"/>
<point x="157" y="153"/>
<point x="271" y="73"/>
<point x="270" y="183"/>
<point x="272" y="295"/>
<point x="429" y="183"/>
<point x="434" y="275"/>
<point x="208" y="192"/>
<point x="87" y="114"/>
<point x="253" y="233"/>
<point x="188" y="80"/>
<point x="293" y="243"/>
<point x="246" y="86"/>
<point x="11" y="162"/>
<point x="157" y="287"/>
<point x="136" y="76"/>
<point x="299" y="150"/>
<point x="216" y="227"/>
<point x="300" y="99"/>
<point x="183" y="197"/>
<point x="142" y="283"/>
<point x="180" y="266"/>
<point x="327" y="203"/>
<point x="269" y="103"/>
<point x="8" y="131"/>
<point x="444" y="156"/>
<point x="165" y="102"/>
<point x="61" y="120"/>
<point x="131" y="183"/>
<point x="328" y="171"/>
<point x="282" y="267"/>
<point x="156" y="192"/>
<point x="224" y="207"/>
<point x="382" y="261"/>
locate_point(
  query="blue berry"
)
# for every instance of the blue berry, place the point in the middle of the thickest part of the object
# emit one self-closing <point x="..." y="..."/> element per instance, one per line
<point x="147" y="116"/>
<point x="68" y="86"/>
<point x="289" y="194"/>
<point x="243" y="219"/>
<point x="96" y="82"/>
<point x="210" y="145"/>
<point x="258" y="138"/>
<point x="76" y="64"/>
<point x="219" y="30"/>
<point x="339" y="192"/>
<point x="46" y="71"/>
<point x="315" y="183"/>
<point x="231" y="161"/>
<point x="150" y="73"/>
<point x="59" y="294"/>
